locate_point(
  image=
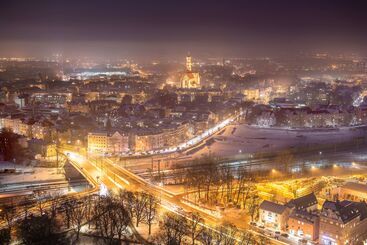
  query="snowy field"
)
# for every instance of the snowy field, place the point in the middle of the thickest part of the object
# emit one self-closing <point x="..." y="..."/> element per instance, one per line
<point x="31" y="175"/>
<point x="237" y="139"/>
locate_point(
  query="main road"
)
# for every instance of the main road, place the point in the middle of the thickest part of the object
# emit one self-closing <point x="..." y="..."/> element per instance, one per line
<point x="115" y="177"/>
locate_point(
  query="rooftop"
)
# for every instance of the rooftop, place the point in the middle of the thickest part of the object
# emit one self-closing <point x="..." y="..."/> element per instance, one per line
<point x="355" y="187"/>
<point x="273" y="207"/>
<point x="303" y="202"/>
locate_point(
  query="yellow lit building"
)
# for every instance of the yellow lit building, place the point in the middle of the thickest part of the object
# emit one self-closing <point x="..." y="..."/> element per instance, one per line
<point x="252" y="94"/>
<point x="190" y="79"/>
<point x="107" y="143"/>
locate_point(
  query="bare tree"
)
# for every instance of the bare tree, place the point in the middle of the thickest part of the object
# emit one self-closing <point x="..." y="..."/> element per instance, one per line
<point x="8" y="213"/>
<point x="151" y="211"/>
<point x="40" y="202"/>
<point x="245" y="194"/>
<point x="111" y="218"/>
<point x="253" y="206"/>
<point x="78" y="215"/>
<point x="247" y="238"/>
<point x="195" y="228"/>
<point x="230" y="234"/>
<point x="262" y="240"/>
<point x="104" y="219"/>
<point x="89" y="204"/>
<point x="242" y="174"/>
<point x="27" y="205"/>
<point x="285" y="158"/>
<point x="127" y="199"/>
<point x="172" y="230"/>
<point x="55" y="203"/>
<point x="140" y="202"/>
<point x="207" y="237"/>
<point x="68" y="207"/>
<point x="121" y="219"/>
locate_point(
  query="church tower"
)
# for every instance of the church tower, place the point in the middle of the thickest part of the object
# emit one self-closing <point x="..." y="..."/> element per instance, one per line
<point x="188" y="63"/>
<point x="190" y="79"/>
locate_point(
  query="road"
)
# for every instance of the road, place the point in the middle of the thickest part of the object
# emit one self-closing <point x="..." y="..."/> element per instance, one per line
<point x="114" y="177"/>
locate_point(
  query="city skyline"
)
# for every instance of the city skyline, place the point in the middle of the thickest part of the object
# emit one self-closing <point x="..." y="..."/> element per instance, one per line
<point x="183" y="122"/>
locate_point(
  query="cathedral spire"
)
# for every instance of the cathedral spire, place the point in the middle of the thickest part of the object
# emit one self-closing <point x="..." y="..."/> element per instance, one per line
<point x="188" y="63"/>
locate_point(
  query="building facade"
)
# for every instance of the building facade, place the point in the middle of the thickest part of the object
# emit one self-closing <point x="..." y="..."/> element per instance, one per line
<point x="343" y="222"/>
<point x="274" y="215"/>
<point x="103" y="142"/>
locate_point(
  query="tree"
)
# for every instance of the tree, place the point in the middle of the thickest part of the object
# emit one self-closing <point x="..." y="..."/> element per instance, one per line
<point x="140" y="202"/>
<point x="229" y="232"/>
<point x="262" y="240"/>
<point x="127" y="199"/>
<point x="242" y="174"/>
<point x="40" y="201"/>
<point x="78" y="215"/>
<point x="68" y="207"/>
<point x="151" y="211"/>
<point x="120" y="219"/>
<point x="253" y="206"/>
<point x="247" y="238"/>
<point x="207" y="236"/>
<point x="26" y="207"/>
<point x="227" y="177"/>
<point x="5" y="236"/>
<point x="195" y="228"/>
<point x="172" y="230"/>
<point x="39" y="230"/>
<point x="8" y="213"/>
<point x="111" y="219"/>
<point x="9" y="146"/>
<point x="285" y="158"/>
<point x="55" y="202"/>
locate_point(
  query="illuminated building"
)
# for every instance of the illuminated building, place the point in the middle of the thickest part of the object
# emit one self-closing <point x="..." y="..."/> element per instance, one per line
<point x="352" y="191"/>
<point x="274" y="215"/>
<point x="252" y="94"/>
<point x="103" y="142"/>
<point x="304" y="224"/>
<point x="190" y="79"/>
<point x="42" y="130"/>
<point x="343" y="222"/>
<point x="303" y="220"/>
<point x="162" y="138"/>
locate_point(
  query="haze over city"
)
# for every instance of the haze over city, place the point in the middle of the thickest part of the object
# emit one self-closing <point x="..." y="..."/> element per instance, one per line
<point x="142" y="29"/>
<point x="183" y="122"/>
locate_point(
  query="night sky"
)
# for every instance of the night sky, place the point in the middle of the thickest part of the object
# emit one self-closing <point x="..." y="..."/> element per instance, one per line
<point x="170" y="28"/>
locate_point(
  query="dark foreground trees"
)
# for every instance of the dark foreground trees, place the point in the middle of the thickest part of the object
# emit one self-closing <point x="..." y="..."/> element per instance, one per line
<point x="111" y="219"/>
<point x="9" y="147"/>
<point x="39" y="230"/>
<point x="173" y="230"/>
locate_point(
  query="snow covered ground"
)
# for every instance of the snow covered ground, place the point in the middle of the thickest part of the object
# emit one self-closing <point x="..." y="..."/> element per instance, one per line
<point x="237" y="139"/>
<point x="28" y="174"/>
